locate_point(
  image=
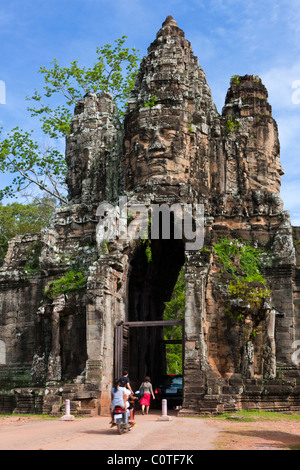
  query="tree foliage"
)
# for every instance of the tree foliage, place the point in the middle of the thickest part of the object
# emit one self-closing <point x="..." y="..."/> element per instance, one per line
<point x="174" y="311"/>
<point x="114" y="72"/>
<point x="20" y="219"/>
<point x="30" y="167"/>
<point x="72" y="281"/>
<point x="44" y="170"/>
<point x="243" y="262"/>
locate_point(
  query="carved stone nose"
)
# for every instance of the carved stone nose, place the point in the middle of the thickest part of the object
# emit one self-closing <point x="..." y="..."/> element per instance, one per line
<point x="157" y="144"/>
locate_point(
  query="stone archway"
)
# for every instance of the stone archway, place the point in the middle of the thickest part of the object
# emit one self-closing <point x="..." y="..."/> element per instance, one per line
<point x="150" y="286"/>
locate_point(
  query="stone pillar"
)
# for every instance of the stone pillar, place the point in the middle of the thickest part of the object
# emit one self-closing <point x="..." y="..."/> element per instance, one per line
<point x="2" y="353"/>
<point x="54" y="361"/>
<point x="196" y="363"/>
<point x="281" y="283"/>
<point x="248" y="361"/>
<point x="270" y="359"/>
<point x="105" y="310"/>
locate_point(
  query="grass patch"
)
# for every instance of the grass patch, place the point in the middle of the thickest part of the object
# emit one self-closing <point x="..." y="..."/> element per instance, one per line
<point x="33" y="416"/>
<point x="294" y="447"/>
<point x="252" y="416"/>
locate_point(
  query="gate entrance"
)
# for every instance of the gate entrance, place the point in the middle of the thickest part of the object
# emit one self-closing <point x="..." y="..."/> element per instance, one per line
<point x="151" y="285"/>
<point x="122" y="346"/>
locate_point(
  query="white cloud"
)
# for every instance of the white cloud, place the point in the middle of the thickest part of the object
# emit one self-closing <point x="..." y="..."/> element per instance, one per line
<point x="288" y="126"/>
<point x="290" y="196"/>
<point x="293" y="19"/>
<point x="280" y="82"/>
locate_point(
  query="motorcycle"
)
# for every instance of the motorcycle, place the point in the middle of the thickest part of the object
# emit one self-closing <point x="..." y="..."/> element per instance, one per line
<point x="119" y="420"/>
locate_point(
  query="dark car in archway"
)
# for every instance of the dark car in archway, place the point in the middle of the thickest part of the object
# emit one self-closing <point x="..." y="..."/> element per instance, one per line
<point x="170" y="389"/>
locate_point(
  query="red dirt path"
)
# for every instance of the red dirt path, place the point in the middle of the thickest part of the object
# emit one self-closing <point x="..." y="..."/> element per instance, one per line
<point x="23" y="433"/>
<point x="95" y="434"/>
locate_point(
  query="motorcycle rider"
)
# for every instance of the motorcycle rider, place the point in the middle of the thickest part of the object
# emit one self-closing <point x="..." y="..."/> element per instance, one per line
<point x="118" y="398"/>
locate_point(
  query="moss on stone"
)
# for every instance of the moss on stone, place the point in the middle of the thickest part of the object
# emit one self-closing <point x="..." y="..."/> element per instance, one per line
<point x="243" y="262"/>
<point x="232" y="126"/>
<point x="32" y="265"/>
<point x="72" y="281"/>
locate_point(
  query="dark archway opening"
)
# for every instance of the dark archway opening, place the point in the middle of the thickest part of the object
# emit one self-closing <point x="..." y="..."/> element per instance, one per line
<point x="73" y="344"/>
<point x="151" y="284"/>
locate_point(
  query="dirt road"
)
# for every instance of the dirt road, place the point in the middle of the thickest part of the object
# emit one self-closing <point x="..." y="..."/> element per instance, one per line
<point x="180" y="434"/>
<point x="95" y="434"/>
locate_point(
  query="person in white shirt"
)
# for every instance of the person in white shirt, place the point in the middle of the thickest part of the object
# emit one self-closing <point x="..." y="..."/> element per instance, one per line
<point x="130" y="397"/>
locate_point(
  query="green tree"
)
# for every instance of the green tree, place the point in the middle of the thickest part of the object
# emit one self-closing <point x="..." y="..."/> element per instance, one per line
<point x="114" y="72"/>
<point x="31" y="168"/>
<point x="20" y="219"/>
<point x="174" y="311"/>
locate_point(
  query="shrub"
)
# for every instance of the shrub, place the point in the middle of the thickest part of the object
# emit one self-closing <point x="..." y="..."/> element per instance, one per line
<point x="72" y="281"/>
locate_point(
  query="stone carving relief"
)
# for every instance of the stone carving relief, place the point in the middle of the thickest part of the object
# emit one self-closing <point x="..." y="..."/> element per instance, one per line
<point x="2" y="353"/>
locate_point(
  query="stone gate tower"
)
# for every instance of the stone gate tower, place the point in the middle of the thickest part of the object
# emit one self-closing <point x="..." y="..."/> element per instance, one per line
<point x="173" y="148"/>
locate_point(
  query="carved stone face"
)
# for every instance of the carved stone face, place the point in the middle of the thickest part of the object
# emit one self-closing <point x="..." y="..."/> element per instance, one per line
<point x="279" y="172"/>
<point x="158" y="148"/>
<point x="156" y="143"/>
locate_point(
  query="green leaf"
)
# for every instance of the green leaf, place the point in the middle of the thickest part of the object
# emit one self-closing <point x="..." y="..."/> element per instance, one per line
<point x="114" y="72"/>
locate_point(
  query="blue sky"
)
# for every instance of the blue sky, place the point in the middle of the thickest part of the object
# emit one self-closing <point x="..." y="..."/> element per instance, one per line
<point x="230" y="37"/>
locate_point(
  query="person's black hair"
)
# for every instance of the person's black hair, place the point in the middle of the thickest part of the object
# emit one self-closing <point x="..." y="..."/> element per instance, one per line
<point x="116" y="384"/>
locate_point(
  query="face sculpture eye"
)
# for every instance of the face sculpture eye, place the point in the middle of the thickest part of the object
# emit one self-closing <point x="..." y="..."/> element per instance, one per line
<point x="168" y="135"/>
<point x="144" y="136"/>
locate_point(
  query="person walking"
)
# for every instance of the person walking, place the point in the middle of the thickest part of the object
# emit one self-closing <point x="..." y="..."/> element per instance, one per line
<point x="148" y="391"/>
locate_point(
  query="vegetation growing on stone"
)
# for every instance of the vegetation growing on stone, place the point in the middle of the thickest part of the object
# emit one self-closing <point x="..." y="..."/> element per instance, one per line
<point x="252" y="295"/>
<point x="32" y="265"/>
<point x="235" y="79"/>
<point x="243" y="262"/>
<point x="256" y="80"/>
<point x="150" y="103"/>
<point x="232" y="125"/>
<point x="72" y="281"/>
<point x="236" y="256"/>
<point x="174" y="310"/>
<point x="145" y="240"/>
<point x="148" y="252"/>
<point x="105" y="247"/>
<point x="21" y="219"/>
